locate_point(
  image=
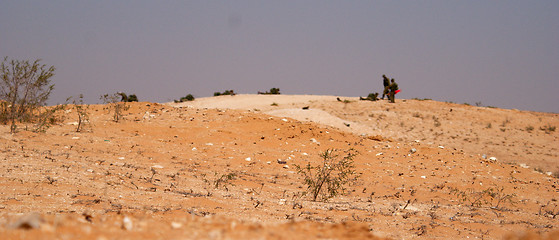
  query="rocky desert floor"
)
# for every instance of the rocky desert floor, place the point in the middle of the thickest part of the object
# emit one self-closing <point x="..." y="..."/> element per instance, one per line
<point x="225" y="168"/>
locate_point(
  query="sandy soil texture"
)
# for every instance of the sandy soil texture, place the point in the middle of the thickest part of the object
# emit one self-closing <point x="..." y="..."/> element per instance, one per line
<point x="225" y="168"/>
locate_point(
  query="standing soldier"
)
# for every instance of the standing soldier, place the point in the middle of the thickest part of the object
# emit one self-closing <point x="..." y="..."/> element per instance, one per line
<point x="393" y="88"/>
<point x="386" y="84"/>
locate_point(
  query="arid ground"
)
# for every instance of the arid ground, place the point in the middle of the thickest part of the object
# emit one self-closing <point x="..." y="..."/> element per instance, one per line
<point x="225" y="168"/>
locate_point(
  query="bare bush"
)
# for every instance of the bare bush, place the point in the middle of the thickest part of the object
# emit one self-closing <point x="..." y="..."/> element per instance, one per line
<point x="329" y="178"/>
<point x="83" y="113"/>
<point x="115" y="105"/>
<point x="24" y="89"/>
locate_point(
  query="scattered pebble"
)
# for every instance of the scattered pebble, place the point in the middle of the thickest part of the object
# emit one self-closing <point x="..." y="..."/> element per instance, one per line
<point x="378" y="154"/>
<point x="493" y="159"/>
<point x="441" y="147"/>
<point x="413" y="150"/>
<point x="282" y="201"/>
<point x="75" y="138"/>
<point x="423" y="177"/>
<point x="157" y="166"/>
<point x="282" y="161"/>
<point x="248" y="159"/>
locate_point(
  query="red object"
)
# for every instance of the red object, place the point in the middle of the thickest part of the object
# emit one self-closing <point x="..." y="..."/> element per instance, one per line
<point x="397" y="91"/>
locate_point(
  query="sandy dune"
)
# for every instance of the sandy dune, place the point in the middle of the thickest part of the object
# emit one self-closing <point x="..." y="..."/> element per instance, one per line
<point x="225" y="168"/>
<point x="479" y="131"/>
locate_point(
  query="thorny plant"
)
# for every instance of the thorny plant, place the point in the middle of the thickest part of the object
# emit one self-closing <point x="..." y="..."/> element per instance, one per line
<point x="24" y="90"/>
<point x="222" y="181"/>
<point x="493" y="197"/>
<point x="328" y="179"/>
<point x="549" y="210"/>
<point x="82" y="110"/>
<point x="114" y="105"/>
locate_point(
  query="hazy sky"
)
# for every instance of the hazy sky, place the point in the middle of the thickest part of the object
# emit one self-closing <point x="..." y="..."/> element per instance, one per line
<point x="499" y="53"/>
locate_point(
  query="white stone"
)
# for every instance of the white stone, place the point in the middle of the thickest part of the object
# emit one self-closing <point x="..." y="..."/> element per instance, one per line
<point x="176" y="225"/>
<point x="127" y="223"/>
<point x="523" y="165"/>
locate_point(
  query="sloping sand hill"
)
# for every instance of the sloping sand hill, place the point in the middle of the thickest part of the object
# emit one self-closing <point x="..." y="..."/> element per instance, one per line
<point x="225" y="168"/>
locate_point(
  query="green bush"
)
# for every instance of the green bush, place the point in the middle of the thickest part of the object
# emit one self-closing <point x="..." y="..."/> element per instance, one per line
<point x="186" y="98"/>
<point x="226" y="92"/>
<point x="273" y="91"/>
<point x="548" y="129"/>
<point x="132" y="98"/>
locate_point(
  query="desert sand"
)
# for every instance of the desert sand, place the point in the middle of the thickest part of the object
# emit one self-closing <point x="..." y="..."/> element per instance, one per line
<point x="225" y="168"/>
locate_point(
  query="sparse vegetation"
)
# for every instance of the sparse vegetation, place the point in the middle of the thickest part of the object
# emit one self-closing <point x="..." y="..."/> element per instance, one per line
<point x="226" y="92"/>
<point x="186" y="98"/>
<point x="548" y="129"/>
<point x="127" y="98"/>
<point x="273" y="91"/>
<point x="24" y="89"/>
<point x="223" y="180"/>
<point x="491" y="197"/>
<point x="114" y="105"/>
<point x="328" y="179"/>
<point x="505" y="122"/>
<point x="132" y="98"/>
<point x="82" y="111"/>
<point x="436" y="121"/>
<point x="529" y="128"/>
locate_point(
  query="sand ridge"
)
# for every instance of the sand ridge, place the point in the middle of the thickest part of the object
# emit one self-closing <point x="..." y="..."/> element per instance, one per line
<point x="154" y="174"/>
